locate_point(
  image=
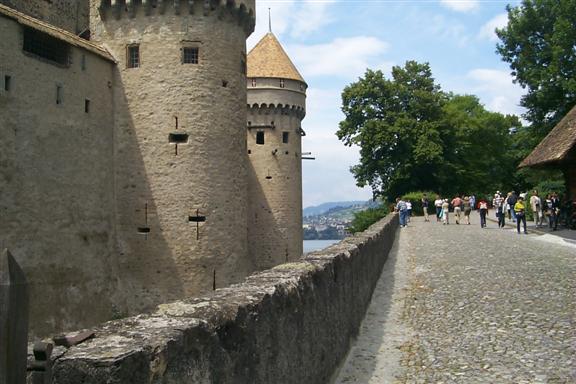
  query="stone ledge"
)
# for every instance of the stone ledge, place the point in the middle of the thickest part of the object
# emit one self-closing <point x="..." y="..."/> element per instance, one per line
<point x="290" y="324"/>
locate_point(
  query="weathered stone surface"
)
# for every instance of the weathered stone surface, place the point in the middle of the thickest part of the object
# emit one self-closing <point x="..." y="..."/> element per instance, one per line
<point x="290" y="324"/>
<point x="13" y="321"/>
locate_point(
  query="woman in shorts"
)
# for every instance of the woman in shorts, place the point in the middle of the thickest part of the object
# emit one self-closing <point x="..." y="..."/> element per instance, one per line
<point x="467" y="209"/>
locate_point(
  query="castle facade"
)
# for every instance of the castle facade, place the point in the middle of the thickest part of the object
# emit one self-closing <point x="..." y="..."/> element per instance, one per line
<point x="144" y="156"/>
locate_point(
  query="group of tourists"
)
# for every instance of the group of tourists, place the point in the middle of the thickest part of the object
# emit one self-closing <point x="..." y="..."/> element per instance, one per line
<point x="510" y="205"/>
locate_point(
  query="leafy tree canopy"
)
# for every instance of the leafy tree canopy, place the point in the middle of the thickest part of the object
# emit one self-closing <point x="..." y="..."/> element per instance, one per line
<point x="413" y="136"/>
<point x="539" y="42"/>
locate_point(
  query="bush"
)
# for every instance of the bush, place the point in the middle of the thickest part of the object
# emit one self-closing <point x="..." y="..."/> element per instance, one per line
<point x="416" y="199"/>
<point x="363" y="219"/>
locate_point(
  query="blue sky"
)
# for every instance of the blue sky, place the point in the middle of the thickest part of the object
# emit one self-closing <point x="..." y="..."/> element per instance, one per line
<point x="332" y="43"/>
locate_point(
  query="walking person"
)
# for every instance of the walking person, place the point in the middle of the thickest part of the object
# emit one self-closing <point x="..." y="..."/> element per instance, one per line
<point x="555" y="209"/>
<point x="536" y="205"/>
<point x="483" y="208"/>
<point x="511" y="200"/>
<point x="425" y="204"/>
<point x="409" y="210"/>
<point x="457" y="204"/>
<point x="402" y="210"/>
<point x="520" y="212"/>
<point x="473" y="202"/>
<point x="499" y="206"/>
<point x="438" y="206"/>
<point x="549" y="210"/>
<point x="467" y="209"/>
<point x="445" y="212"/>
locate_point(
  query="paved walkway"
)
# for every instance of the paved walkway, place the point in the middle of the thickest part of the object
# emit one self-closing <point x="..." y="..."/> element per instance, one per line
<point x="461" y="304"/>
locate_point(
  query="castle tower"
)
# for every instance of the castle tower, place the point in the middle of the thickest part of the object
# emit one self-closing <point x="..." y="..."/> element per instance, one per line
<point x="180" y="146"/>
<point x="276" y="107"/>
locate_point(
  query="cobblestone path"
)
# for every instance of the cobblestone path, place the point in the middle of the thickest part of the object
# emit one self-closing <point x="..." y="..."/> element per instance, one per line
<point x="461" y="304"/>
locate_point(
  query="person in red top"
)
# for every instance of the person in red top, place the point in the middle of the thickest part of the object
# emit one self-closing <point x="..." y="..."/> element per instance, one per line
<point x="457" y="204"/>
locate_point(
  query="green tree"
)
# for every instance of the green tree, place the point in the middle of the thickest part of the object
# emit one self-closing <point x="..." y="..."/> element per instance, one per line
<point x="413" y="136"/>
<point x="539" y="43"/>
<point x="477" y="144"/>
<point x="396" y="124"/>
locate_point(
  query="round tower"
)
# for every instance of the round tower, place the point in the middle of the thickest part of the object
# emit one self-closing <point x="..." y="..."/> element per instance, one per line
<point x="276" y="107"/>
<point x="180" y="146"/>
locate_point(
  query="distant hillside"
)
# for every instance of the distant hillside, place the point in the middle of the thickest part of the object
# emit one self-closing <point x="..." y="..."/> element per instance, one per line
<point x="325" y="207"/>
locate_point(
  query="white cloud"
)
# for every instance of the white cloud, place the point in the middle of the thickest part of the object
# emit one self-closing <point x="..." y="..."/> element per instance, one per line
<point x="311" y="16"/>
<point x="298" y="19"/>
<point x="460" y="5"/>
<point x="344" y="57"/>
<point x="487" y="32"/>
<point x="496" y="89"/>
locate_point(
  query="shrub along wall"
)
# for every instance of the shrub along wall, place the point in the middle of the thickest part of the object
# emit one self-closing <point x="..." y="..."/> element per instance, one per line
<point x="289" y="324"/>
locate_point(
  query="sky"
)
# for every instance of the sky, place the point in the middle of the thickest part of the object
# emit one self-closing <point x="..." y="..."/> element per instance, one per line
<point x="333" y="42"/>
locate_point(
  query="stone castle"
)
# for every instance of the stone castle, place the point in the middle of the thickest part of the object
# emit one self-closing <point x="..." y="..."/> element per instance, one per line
<point x="144" y="156"/>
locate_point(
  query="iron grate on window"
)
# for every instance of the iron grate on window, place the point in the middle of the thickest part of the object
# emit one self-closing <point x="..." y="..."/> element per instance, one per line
<point x="133" y="56"/>
<point x="190" y="55"/>
<point x="46" y="46"/>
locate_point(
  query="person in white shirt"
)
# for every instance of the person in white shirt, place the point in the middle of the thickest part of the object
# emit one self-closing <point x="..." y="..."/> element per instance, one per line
<point x="438" y="205"/>
<point x="536" y="205"/>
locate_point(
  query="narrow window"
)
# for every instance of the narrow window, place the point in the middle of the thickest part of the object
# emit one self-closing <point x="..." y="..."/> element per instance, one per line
<point x="86" y="105"/>
<point x="260" y="138"/>
<point x="7" y="83"/>
<point x="285" y="136"/>
<point x="282" y="85"/>
<point x="190" y="55"/>
<point x="133" y="59"/>
<point x="253" y="82"/>
<point x="58" y="94"/>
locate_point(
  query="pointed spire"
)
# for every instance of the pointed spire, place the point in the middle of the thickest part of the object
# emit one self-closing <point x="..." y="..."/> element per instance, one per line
<point x="268" y="59"/>
<point x="269" y="20"/>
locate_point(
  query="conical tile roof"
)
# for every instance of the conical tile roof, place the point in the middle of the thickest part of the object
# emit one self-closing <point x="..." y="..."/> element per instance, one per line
<point x="268" y="59"/>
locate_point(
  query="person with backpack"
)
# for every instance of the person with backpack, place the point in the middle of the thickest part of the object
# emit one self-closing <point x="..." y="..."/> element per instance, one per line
<point x="402" y="210"/>
<point x="511" y="200"/>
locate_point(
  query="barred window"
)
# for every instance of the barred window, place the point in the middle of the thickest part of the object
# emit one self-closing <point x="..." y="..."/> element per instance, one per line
<point x="260" y="138"/>
<point x="46" y="46"/>
<point x="190" y="55"/>
<point x="133" y="56"/>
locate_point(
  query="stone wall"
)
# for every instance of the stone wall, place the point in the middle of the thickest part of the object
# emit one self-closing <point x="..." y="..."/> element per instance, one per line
<point x="56" y="181"/>
<point x="289" y="324"/>
<point x="180" y="146"/>
<point x="71" y="15"/>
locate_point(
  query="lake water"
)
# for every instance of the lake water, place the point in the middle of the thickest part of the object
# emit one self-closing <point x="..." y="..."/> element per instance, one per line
<point x="314" y="245"/>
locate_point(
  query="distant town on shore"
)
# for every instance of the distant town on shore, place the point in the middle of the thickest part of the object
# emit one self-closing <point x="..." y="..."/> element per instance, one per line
<point x="329" y="221"/>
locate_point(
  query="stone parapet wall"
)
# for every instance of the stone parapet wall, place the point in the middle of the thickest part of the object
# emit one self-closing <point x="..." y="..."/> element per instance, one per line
<point x="289" y="324"/>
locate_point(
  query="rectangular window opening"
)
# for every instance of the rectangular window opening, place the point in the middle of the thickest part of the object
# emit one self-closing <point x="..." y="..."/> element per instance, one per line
<point x="177" y="138"/>
<point x="133" y="59"/>
<point x="86" y="106"/>
<point x="190" y="55"/>
<point x="260" y="138"/>
<point x="285" y="137"/>
<point x="58" y="94"/>
<point x="7" y="83"/>
<point x="282" y="84"/>
<point x="45" y="46"/>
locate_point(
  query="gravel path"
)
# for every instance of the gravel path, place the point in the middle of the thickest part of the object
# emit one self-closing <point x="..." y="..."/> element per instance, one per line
<point x="461" y="304"/>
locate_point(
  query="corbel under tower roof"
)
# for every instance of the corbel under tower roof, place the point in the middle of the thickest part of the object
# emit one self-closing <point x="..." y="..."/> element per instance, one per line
<point x="268" y="59"/>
